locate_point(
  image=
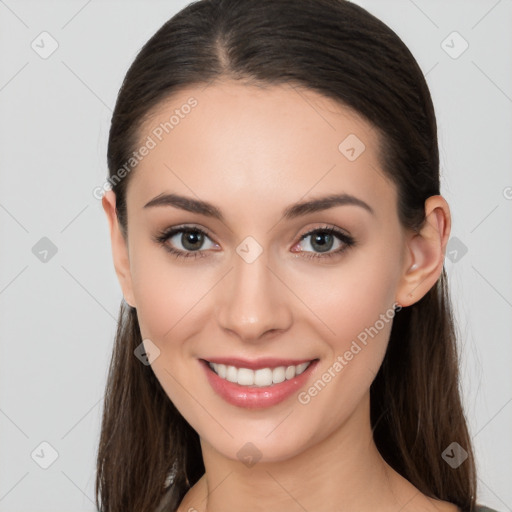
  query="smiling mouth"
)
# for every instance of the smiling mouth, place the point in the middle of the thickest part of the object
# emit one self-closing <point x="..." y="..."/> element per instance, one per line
<point x="262" y="377"/>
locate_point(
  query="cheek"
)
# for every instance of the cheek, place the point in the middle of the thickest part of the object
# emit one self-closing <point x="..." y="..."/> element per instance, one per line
<point x="361" y="322"/>
<point x="166" y="293"/>
<point x="351" y="296"/>
<point x="168" y="297"/>
<point x="346" y="297"/>
<point x="356" y="303"/>
<point x="360" y="310"/>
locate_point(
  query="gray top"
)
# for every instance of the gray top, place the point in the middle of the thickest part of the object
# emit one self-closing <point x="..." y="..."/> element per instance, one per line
<point x="164" y="506"/>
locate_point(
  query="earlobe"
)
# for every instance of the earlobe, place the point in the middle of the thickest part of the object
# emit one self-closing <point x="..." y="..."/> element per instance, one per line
<point x="119" y="248"/>
<point x="425" y="252"/>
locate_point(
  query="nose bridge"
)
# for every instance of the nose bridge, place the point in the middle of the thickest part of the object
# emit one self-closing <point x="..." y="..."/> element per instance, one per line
<point x="253" y="300"/>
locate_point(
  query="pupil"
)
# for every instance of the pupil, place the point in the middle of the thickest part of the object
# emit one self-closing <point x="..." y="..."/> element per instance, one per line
<point x="192" y="240"/>
<point x="317" y="239"/>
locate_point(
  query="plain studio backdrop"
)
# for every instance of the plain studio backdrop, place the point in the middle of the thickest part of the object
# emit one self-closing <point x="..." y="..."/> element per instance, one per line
<point x="62" y="64"/>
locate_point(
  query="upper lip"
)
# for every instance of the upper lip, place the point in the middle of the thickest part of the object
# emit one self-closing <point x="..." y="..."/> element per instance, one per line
<point x="256" y="364"/>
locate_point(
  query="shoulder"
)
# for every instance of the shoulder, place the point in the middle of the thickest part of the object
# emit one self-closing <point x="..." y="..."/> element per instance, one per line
<point x="446" y="506"/>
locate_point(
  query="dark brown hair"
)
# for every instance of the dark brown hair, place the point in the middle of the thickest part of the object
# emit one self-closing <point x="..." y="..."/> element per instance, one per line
<point x="337" y="49"/>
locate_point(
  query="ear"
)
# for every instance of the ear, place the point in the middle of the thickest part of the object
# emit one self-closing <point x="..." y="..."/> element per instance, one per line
<point x="426" y="248"/>
<point x="119" y="247"/>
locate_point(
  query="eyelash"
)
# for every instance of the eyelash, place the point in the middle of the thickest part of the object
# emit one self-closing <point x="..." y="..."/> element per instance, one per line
<point x="162" y="238"/>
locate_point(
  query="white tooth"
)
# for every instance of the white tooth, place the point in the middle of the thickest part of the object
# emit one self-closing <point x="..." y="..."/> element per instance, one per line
<point x="231" y="373"/>
<point x="290" y="372"/>
<point x="263" y="377"/>
<point x="221" y="370"/>
<point x="278" y="375"/>
<point x="245" y="377"/>
<point x="301" y="367"/>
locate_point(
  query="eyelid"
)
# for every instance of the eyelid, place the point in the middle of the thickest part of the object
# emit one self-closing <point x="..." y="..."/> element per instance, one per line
<point x="328" y="228"/>
<point x="169" y="231"/>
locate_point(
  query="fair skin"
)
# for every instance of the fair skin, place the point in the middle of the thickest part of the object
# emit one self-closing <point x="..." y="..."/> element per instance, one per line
<point x="253" y="152"/>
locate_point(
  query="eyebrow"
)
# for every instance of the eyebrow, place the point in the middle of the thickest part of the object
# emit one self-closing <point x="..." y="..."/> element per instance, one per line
<point x="291" y="212"/>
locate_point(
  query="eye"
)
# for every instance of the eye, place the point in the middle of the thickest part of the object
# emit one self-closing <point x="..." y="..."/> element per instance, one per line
<point x="323" y="239"/>
<point x="190" y="238"/>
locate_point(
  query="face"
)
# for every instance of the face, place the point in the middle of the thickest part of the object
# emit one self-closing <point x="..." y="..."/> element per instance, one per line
<point x="300" y="297"/>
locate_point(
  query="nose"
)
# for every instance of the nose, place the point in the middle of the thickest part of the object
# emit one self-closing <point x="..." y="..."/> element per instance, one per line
<point x="252" y="302"/>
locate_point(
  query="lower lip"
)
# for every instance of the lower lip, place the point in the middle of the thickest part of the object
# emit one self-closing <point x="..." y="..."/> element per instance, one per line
<point x="256" y="397"/>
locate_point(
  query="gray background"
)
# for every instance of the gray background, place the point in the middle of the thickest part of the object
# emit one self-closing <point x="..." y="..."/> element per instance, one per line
<point x="58" y="316"/>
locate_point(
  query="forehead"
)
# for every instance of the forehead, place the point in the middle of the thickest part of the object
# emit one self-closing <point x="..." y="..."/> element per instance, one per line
<point x="279" y="143"/>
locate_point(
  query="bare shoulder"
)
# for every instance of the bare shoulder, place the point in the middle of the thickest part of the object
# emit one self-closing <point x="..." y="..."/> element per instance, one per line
<point x="420" y="502"/>
<point x="444" y="506"/>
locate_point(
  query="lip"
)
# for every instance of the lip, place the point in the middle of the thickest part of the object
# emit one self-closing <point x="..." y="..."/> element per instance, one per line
<point x="254" y="397"/>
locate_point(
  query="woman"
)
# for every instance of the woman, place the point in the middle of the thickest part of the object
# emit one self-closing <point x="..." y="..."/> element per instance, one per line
<point x="286" y="340"/>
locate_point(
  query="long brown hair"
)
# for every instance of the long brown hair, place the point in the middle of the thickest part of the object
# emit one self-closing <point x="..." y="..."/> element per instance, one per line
<point x="338" y="49"/>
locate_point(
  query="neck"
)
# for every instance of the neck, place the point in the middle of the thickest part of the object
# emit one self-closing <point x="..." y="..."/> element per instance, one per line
<point x="344" y="471"/>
